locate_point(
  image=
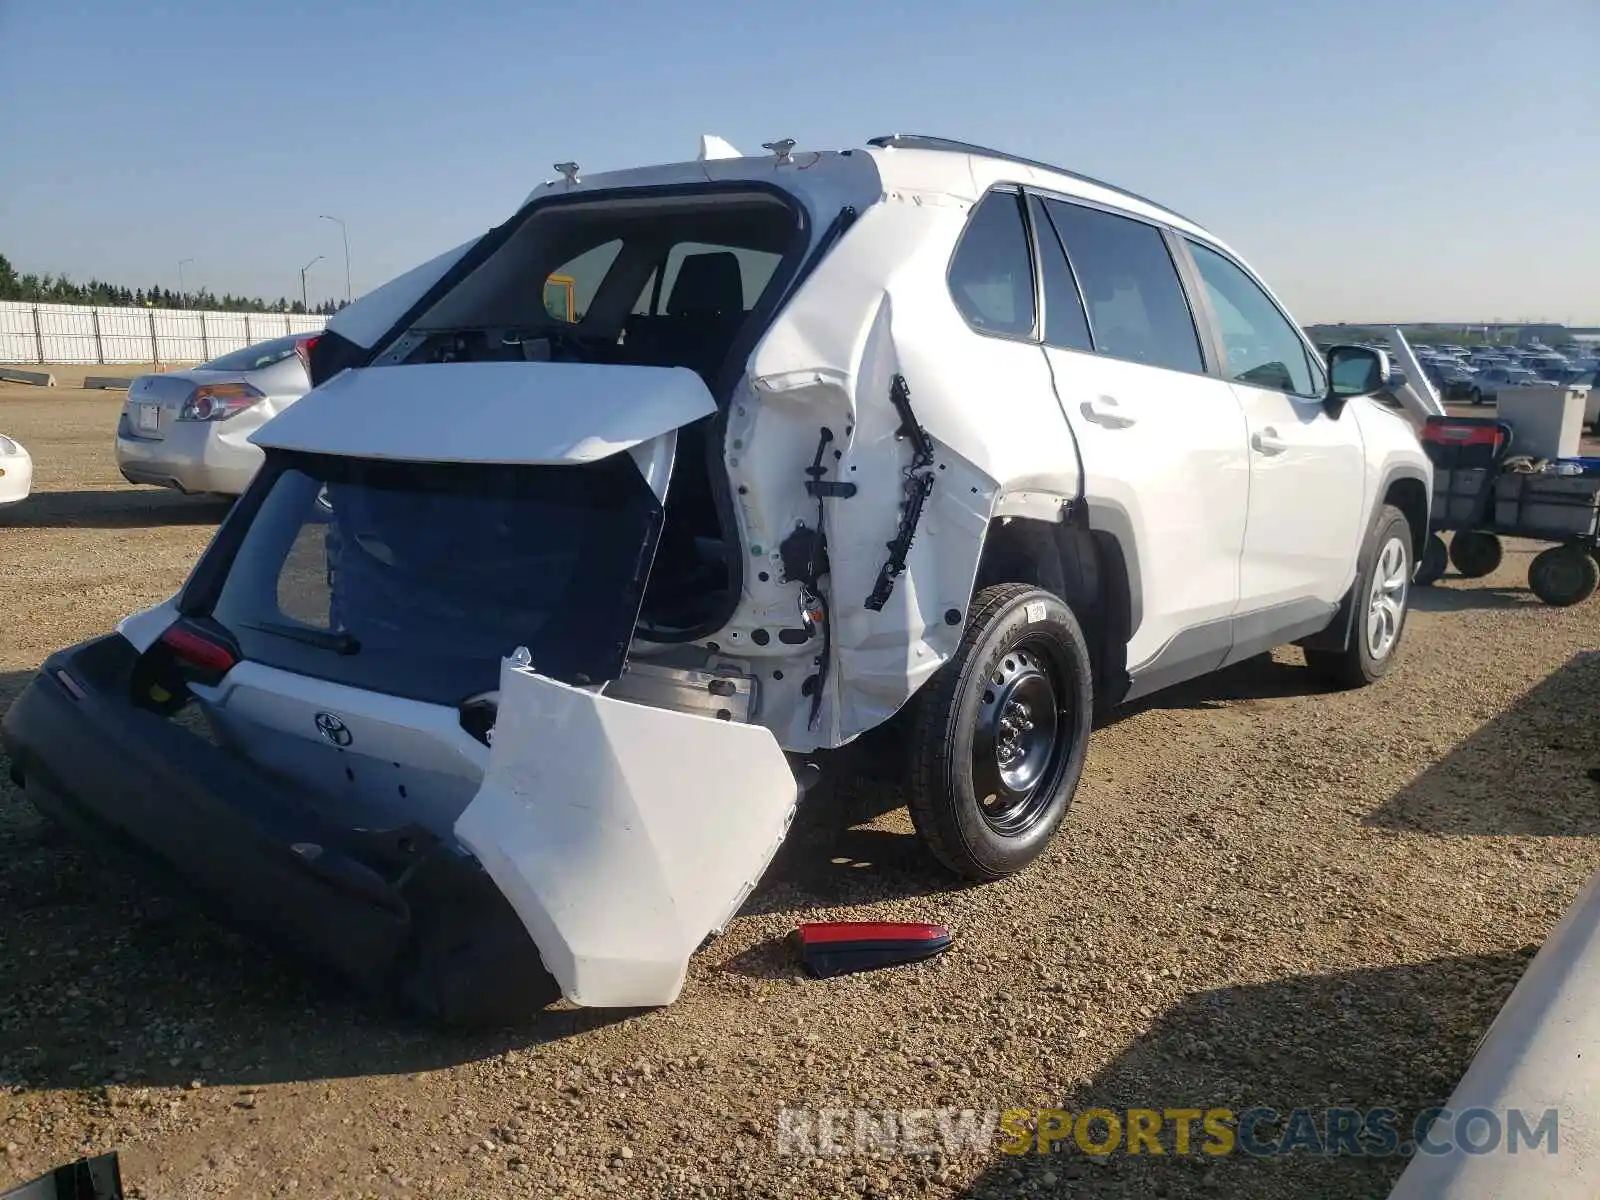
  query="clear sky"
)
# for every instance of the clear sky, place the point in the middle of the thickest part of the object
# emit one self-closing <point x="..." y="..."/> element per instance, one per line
<point x="1406" y="159"/>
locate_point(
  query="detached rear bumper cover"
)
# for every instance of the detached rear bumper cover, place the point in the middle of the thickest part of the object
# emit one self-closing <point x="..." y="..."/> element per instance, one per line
<point x="613" y="835"/>
<point x="357" y="903"/>
<point x="622" y="835"/>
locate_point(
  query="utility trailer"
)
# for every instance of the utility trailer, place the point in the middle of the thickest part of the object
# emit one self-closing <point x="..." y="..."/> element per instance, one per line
<point x="1482" y="492"/>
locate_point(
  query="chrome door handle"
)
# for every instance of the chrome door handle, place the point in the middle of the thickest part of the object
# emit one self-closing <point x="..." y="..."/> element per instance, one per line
<point x="1267" y="441"/>
<point x="1105" y="411"/>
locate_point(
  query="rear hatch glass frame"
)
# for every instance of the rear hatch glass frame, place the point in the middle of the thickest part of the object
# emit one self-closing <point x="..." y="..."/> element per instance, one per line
<point x="404" y="640"/>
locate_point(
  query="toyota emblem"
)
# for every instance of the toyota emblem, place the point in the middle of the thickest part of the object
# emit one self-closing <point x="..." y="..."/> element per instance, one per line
<point x="333" y="729"/>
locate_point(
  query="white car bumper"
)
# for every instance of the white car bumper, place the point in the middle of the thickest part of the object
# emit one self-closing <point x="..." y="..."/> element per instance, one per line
<point x="16" y="472"/>
<point x="622" y="835"/>
<point x="192" y="456"/>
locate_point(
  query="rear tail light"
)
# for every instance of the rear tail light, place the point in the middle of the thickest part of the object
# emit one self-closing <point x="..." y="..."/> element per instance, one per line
<point x="194" y="649"/>
<point x="841" y="947"/>
<point x="304" y="347"/>
<point x="219" y="401"/>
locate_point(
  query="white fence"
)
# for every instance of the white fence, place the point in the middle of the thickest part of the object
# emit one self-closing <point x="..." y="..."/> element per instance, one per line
<point x="77" y="333"/>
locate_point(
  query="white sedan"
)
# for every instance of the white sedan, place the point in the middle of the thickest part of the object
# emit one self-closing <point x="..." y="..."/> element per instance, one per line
<point x="16" y="471"/>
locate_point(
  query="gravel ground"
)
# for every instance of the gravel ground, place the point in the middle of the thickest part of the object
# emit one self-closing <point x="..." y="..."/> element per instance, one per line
<point x="1266" y="894"/>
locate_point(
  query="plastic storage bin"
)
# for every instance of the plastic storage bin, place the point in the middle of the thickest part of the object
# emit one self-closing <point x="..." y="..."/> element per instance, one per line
<point x="1548" y="420"/>
<point x="1458" y="500"/>
<point x="1549" y="506"/>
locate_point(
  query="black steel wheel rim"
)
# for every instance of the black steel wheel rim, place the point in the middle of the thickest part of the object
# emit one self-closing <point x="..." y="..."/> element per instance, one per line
<point x="1022" y="740"/>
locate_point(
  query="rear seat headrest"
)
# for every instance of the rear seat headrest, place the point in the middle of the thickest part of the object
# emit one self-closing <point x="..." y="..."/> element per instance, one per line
<point x="707" y="284"/>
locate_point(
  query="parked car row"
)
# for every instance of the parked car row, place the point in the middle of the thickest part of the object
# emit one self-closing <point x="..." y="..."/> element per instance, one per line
<point x="1477" y="374"/>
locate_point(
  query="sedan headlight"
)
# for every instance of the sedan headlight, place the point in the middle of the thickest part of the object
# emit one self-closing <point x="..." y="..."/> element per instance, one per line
<point x="219" y="401"/>
<point x="8" y="447"/>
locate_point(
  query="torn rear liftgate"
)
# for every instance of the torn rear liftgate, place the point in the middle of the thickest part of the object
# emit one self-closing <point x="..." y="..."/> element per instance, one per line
<point x="621" y="834"/>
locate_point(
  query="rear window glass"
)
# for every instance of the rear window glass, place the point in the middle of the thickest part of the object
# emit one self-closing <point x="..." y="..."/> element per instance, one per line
<point x="254" y="358"/>
<point x="991" y="274"/>
<point x="570" y="288"/>
<point x="417" y="580"/>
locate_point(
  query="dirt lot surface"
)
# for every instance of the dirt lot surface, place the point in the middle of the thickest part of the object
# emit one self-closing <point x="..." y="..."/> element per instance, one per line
<point x="1266" y="894"/>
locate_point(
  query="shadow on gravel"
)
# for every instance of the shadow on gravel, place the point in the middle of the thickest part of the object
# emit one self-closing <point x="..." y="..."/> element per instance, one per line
<point x="1258" y="678"/>
<point x="105" y="979"/>
<point x="832" y="859"/>
<point x="1524" y="773"/>
<point x="1461" y="599"/>
<point x="122" y="508"/>
<point x="1397" y="1037"/>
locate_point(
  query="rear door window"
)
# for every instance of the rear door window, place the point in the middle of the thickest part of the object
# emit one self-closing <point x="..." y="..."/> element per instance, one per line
<point x="1136" y="304"/>
<point x="1065" y="324"/>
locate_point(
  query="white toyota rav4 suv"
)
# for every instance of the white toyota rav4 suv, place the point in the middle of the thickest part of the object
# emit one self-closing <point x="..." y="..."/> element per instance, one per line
<point x="509" y="668"/>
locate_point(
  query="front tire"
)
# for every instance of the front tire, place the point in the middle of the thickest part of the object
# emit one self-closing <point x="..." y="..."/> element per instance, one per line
<point x="1477" y="397"/>
<point x="1001" y="733"/>
<point x="1381" y="597"/>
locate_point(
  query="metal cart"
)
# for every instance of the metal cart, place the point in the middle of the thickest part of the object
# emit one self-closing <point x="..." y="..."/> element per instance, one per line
<point x="1479" y="500"/>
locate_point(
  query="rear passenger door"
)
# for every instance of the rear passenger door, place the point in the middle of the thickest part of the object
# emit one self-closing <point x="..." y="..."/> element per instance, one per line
<point x="1162" y="442"/>
<point x="1307" y="466"/>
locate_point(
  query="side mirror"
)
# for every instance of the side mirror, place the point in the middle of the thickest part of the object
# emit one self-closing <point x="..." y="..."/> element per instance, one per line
<point x="1357" y="371"/>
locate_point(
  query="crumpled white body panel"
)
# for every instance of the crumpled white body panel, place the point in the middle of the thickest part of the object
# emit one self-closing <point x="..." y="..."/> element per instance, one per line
<point x="622" y="835"/>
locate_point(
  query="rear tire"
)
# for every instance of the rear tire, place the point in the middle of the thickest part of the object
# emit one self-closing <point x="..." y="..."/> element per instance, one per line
<point x="1475" y="553"/>
<point x="1564" y="575"/>
<point x="1477" y="396"/>
<point x="1380" y="597"/>
<point x="1001" y="733"/>
<point x="1435" y="558"/>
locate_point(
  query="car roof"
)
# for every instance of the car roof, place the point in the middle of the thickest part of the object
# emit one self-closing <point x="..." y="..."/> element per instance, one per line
<point x="895" y="163"/>
<point x="1065" y="180"/>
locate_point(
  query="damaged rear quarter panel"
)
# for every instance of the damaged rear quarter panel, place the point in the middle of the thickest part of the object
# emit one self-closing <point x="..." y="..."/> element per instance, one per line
<point x="879" y="307"/>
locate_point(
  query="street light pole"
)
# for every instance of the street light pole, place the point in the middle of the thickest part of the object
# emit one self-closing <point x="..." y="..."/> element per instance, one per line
<point x="183" y="294"/>
<point x="305" y="303"/>
<point x="345" y="233"/>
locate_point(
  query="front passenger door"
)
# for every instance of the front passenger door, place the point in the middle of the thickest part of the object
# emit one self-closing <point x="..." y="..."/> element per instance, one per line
<point x="1307" y="467"/>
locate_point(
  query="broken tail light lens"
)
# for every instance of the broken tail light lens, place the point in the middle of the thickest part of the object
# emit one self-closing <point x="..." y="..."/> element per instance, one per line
<point x="219" y="401"/>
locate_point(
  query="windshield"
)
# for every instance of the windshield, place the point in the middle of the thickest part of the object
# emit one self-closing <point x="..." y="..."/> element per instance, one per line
<point x="417" y="579"/>
<point x="254" y="358"/>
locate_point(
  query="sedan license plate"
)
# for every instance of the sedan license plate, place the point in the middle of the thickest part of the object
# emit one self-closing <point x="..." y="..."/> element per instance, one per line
<point x="147" y="418"/>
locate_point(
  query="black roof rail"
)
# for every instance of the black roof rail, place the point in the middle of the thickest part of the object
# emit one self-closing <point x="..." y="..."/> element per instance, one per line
<point x="922" y="141"/>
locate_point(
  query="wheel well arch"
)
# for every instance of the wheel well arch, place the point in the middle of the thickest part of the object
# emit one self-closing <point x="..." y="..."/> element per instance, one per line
<point x="1087" y="568"/>
<point x="1409" y="493"/>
